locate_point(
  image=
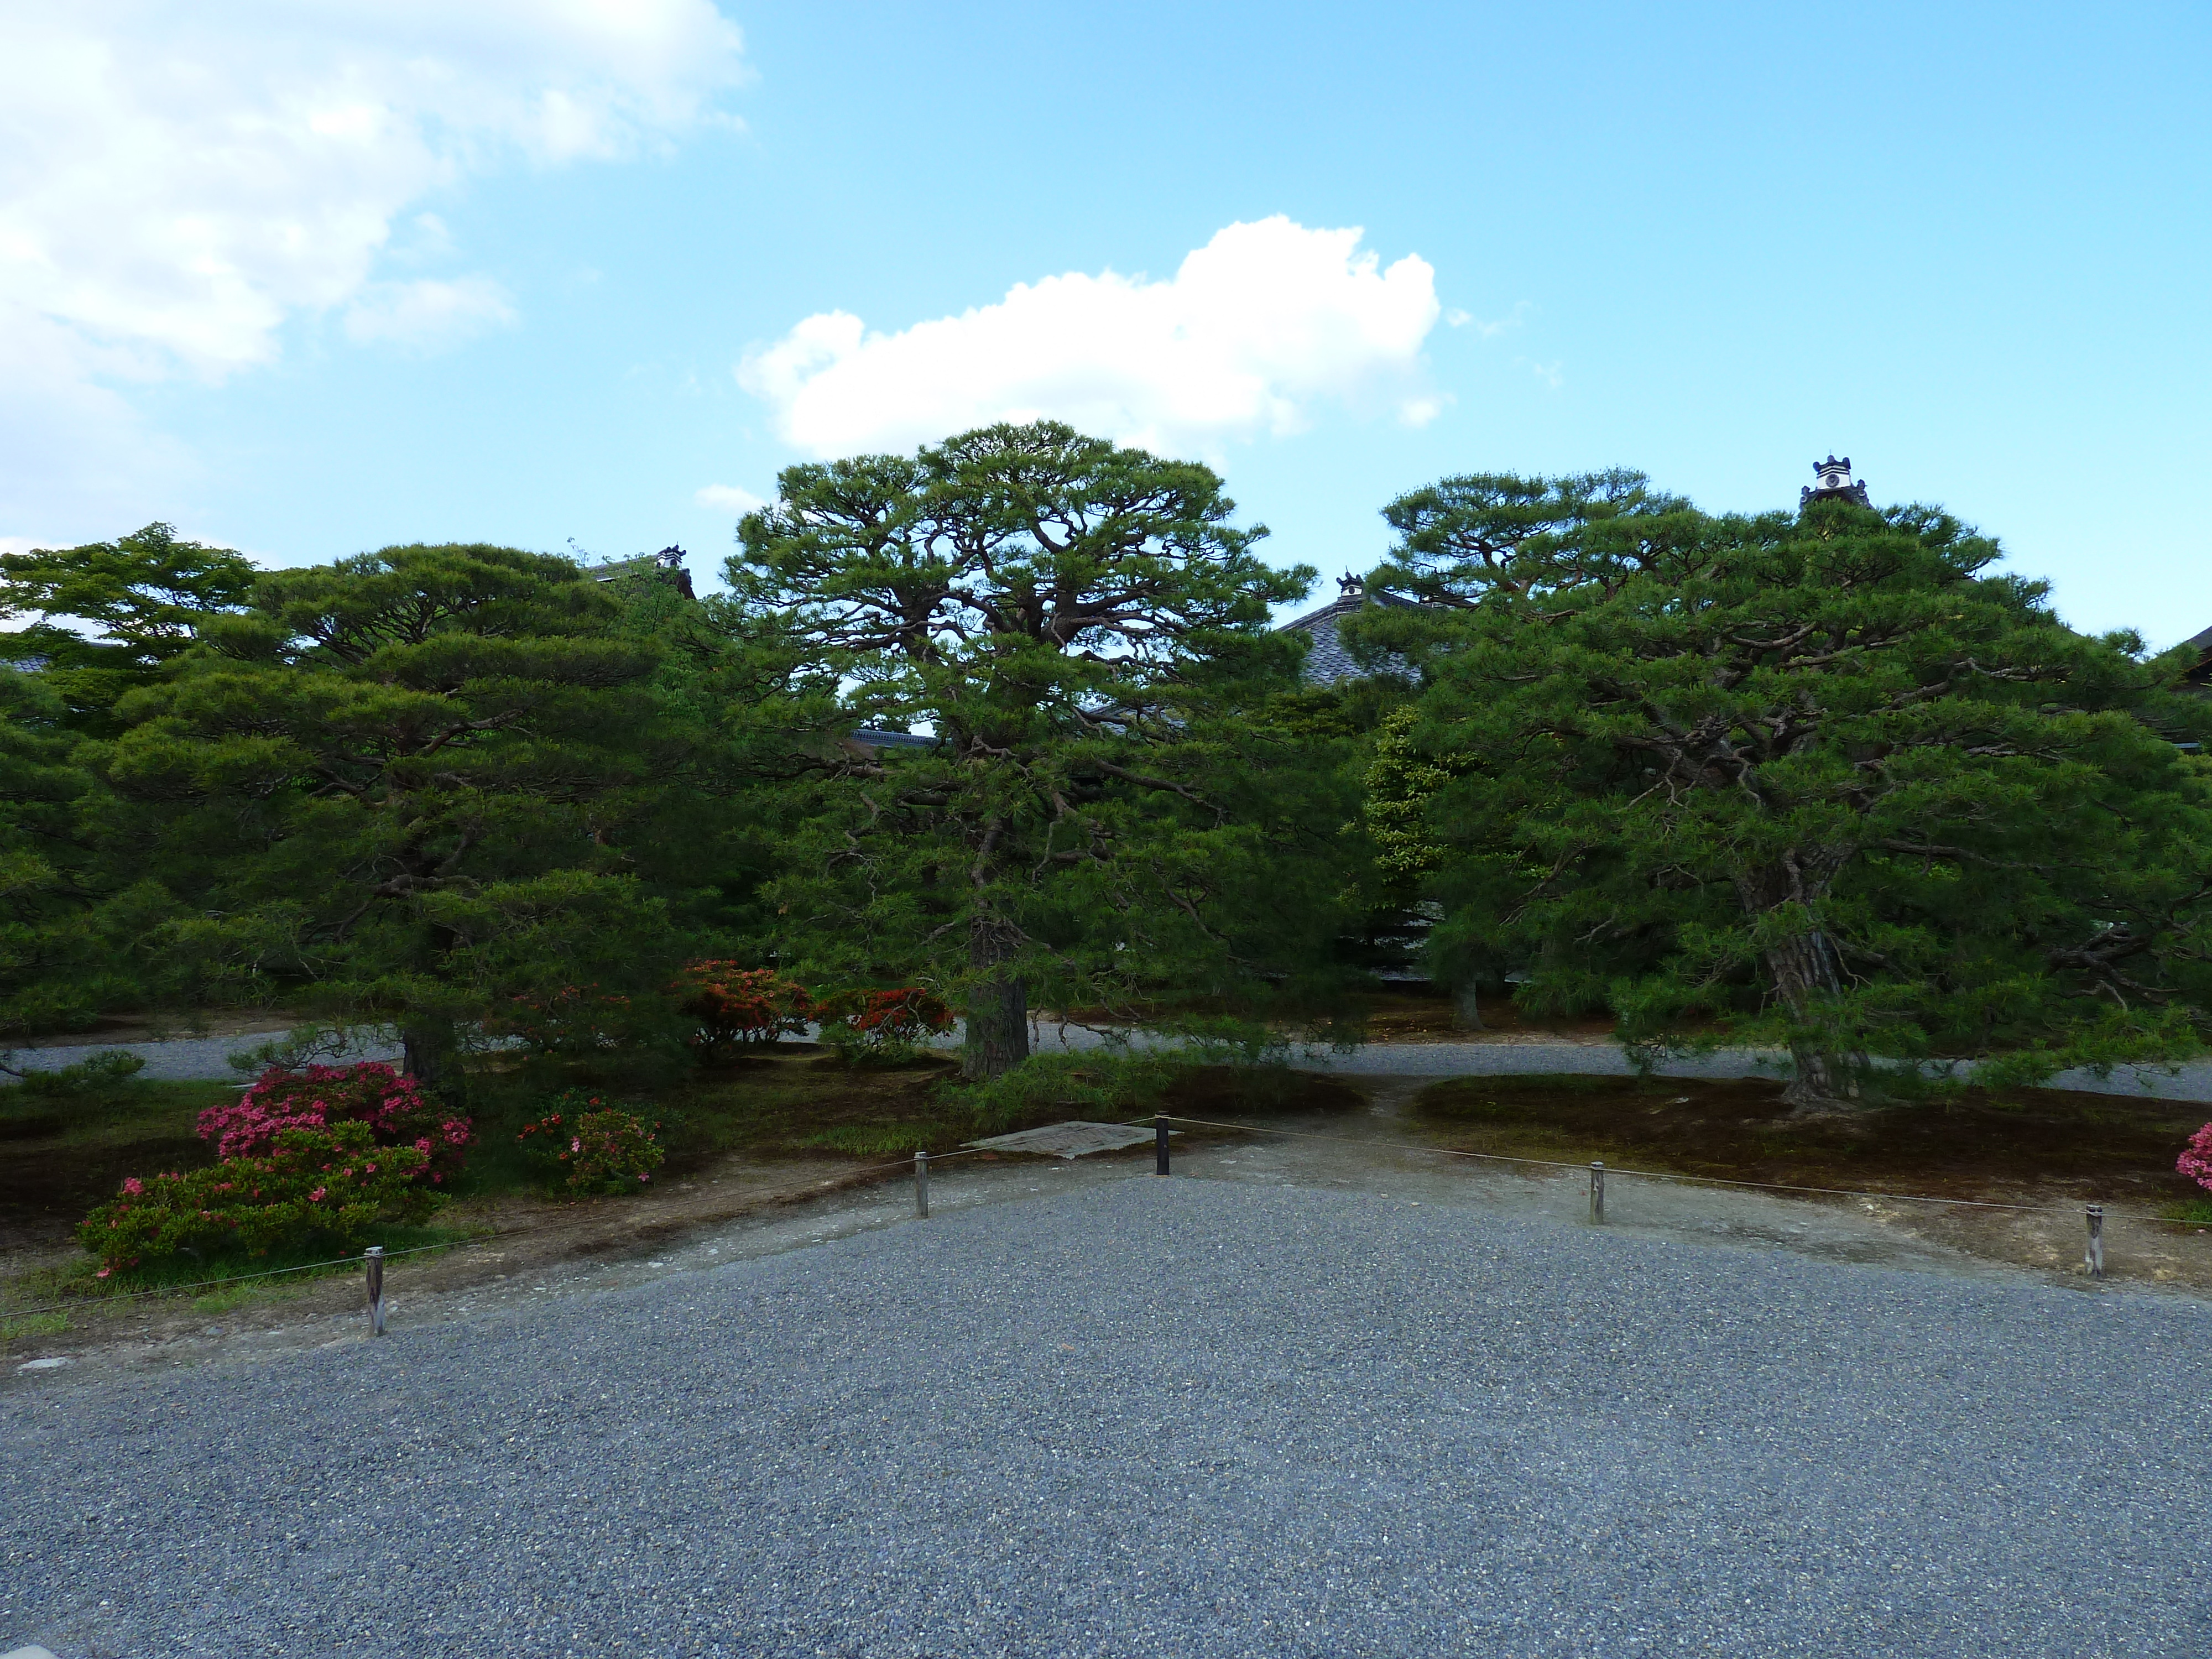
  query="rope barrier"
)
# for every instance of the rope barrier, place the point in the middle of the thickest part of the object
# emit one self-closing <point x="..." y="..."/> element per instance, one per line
<point x="84" y="1302"/>
<point x="1647" y="1174"/>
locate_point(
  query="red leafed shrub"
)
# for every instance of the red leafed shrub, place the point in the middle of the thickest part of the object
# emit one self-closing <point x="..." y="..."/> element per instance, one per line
<point x="589" y="1144"/>
<point x="883" y="1028"/>
<point x="369" y="1093"/>
<point x="319" y="1185"/>
<point x="2196" y="1162"/>
<point x="735" y="1008"/>
<point x="576" y="1019"/>
<point x="906" y="1015"/>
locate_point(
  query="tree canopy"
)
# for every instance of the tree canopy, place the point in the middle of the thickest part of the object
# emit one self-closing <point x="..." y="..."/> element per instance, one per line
<point x="1824" y="777"/>
<point x="410" y="787"/>
<point x="1084" y="633"/>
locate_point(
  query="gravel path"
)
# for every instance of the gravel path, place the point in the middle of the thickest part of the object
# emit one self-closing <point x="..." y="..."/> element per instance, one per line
<point x="1157" y="1417"/>
<point x="209" y="1057"/>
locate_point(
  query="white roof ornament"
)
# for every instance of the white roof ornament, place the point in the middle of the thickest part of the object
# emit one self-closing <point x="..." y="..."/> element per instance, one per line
<point x="1835" y="484"/>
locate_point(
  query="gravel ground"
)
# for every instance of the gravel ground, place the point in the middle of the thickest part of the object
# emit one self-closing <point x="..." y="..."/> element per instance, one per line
<point x="1156" y="1418"/>
<point x="209" y="1057"/>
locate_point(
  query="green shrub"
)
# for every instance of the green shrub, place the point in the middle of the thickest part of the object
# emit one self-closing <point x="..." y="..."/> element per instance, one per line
<point x="325" y="1187"/>
<point x="588" y="1144"/>
<point x="99" y="1075"/>
<point x="1082" y="1085"/>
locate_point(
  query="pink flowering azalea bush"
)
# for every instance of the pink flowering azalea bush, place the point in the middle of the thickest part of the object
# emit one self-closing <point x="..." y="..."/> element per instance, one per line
<point x="588" y="1144"/>
<point x="371" y="1093"/>
<point x="2196" y="1162"/>
<point x="325" y="1187"/>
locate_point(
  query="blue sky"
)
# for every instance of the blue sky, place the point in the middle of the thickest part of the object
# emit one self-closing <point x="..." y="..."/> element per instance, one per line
<point x="494" y="270"/>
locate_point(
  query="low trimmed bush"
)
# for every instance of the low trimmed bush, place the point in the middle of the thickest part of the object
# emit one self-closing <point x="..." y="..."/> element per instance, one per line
<point x="733" y="1008"/>
<point x="325" y="1187"/>
<point x="589" y="1144"/>
<point x="884" y="1027"/>
<point x="371" y="1093"/>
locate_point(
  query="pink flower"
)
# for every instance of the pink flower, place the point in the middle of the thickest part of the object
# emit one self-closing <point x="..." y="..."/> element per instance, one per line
<point x="316" y="1196"/>
<point x="103" y="1273"/>
<point x="2196" y="1162"/>
<point x="133" y="1185"/>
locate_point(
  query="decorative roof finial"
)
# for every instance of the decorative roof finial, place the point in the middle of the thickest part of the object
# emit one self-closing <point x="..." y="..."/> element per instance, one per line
<point x="1351" y="588"/>
<point x="1835" y="485"/>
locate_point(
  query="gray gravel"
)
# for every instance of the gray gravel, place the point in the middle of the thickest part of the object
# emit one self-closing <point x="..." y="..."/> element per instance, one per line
<point x="209" y="1057"/>
<point x="1156" y="1418"/>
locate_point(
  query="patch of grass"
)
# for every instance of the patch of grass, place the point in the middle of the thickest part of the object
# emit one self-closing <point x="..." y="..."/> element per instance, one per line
<point x="60" y="1156"/>
<point x="260" y="1276"/>
<point x="26" y="1325"/>
<point x="2193" y="1211"/>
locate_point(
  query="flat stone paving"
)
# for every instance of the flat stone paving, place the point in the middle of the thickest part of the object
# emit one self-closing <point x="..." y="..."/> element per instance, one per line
<point x="1158" y="1417"/>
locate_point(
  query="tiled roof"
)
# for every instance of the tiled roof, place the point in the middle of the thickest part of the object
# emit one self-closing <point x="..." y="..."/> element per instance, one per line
<point x="1329" y="661"/>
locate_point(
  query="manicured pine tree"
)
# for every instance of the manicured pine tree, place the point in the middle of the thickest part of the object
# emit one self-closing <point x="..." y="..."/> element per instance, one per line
<point x="408" y="787"/>
<point x="1823" y="778"/>
<point x="1104" y="811"/>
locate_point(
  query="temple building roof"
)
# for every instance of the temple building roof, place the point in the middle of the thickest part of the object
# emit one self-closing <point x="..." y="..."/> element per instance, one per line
<point x="1329" y="662"/>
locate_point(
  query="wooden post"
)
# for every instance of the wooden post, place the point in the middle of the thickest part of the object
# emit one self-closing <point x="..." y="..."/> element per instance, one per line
<point x="921" y="1186"/>
<point x="1597" y="1190"/>
<point x="2093" y="1257"/>
<point x="374" y="1257"/>
<point x="1160" y="1143"/>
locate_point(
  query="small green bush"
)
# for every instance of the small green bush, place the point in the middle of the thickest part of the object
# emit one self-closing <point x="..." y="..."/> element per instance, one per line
<point x="1084" y="1085"/>
<point x="588" y="1144"/>
<point x="99" y="1075"/>
<point x="316" y="1186"/>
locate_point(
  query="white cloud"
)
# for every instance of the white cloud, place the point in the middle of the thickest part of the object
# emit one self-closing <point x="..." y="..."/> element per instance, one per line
<point x="1257" y="329"/>
<point x="427" y="314"/>
<point x="728" y="498"/>
<point x="177" y="181"/>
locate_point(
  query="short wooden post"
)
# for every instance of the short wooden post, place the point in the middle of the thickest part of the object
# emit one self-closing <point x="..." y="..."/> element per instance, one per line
<point x="2093" y="1257"/>
<point x="1160" y="1143"/>
<point x="921" y="1186"/>
<point x="374" y="1257"/>
<point x="1597" y="1190"/>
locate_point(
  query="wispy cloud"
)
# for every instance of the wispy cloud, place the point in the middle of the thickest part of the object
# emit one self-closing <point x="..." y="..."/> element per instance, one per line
<point x="428" y="315"/>
<point x="1490" y="330"/>
<point x="728" y="498"/>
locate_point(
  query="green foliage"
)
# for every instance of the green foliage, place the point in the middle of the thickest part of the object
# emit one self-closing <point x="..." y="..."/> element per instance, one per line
<point x="1820" y="779"/>
<point x="328" y="1188"/>
<point x="586" y="1143"/>
<point x="147" y="594"/>
<point x="1103" y="816"/>
<point x="1095" y="1084"/>
<point x="98" y="1077"/>
<point x="406" y="787"/>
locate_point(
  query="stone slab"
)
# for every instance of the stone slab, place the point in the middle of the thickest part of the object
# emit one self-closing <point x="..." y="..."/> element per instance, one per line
<point x="1072" y="1139"/>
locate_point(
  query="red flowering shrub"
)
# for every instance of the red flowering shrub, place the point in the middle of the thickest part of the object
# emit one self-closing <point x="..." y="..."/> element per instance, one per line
<point x="577" y="1019"/>
<point x="313" y="1185"/>
<point x="735" y="1008"/>
<point x="370" y="1092"/>
<point x="895" y="1016"/>
<point x="590" y="1145"/>
<point x="2196" y="1162"/>
<point x="885" y="1023"/>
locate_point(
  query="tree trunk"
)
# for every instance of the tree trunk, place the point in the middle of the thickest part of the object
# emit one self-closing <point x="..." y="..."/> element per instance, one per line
<point x="1467" y="1008"/>
<point x="1829" y="1074"/>
<point x="431" y="1053"/>
<point x="998" y="1007"/>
